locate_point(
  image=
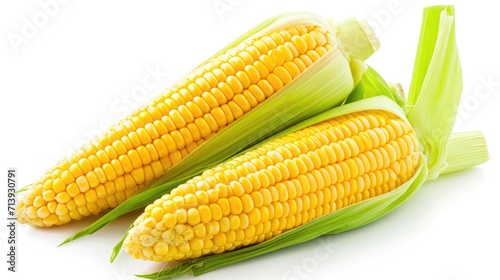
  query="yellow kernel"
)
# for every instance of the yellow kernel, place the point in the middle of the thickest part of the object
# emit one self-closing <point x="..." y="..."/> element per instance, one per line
<point x="221" y="190"/>
<point x="237" y="188"/>
<point x="234" y="222"/>
<point x="50" y="220"/>
<point x="234" y="84"/>
<point x="138" y="175"/>
<point x="160" y="248"/>
<point x="225" y="206"/>
<point x="66" y="177"/>
<point x="48" y="195"/>
<point x="101" y="191"/>
<point x="236" y="111"/>
<point x="299" y="43"/>
<point x="220" y="239"/>
<point x="80" y="200"/>
<point x="202" y="197"/>
<point x="266" y="87"/>
<point x="275" y="156"/>
<point x="266" y="195"/>
<point x="282" y="192"/>
<point x="247" y="203"/>
<point x="254" y="216"/>
<point x="275" y="81"/>
<point x="257" y="198"/>
<point x="193" y="216"/>
<point x="264" y="214"/>
<point x="31" y="212"/>
<point x="213" y="195"/>
<point x="91" y="196"/>
<point x="75" y="170"/>
<point x="190" y="200"/>
<point x="242" y="102"/>
<point x="169" y="206"/>
<point x="235" y="205"/>
<point x="205" y="213"/>
<point x="196" y="244"/>
<point x="157" y="213"/>
<point x="38" y="202"/>
<point x="43" y="212"/>
<point x="237" y="63"/>
<point x="58" y="185"/>
<point x="277" y="57"/>
<point x="211" y="122"/>
<point x="224" y="224"/>
<point x="61" y="210"/>
<point x="169" y="220"/>
<point x="62" y="197"/>
<point x="216" y="211"/>
<point x="261" y="68"/>
<point x="179" y="200"/>
<point x="283" y="74"/>
<point x="92" y="179"/>
<point x="82" y="183"/>
<point x="260" y="46"/>
<point x="252" y="73"/>
<point x="278" y="210"/>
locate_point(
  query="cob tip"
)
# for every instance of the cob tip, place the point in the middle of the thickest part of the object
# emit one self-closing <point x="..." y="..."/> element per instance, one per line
<point x="370" y="34"/>
<point x="357" y="37"/>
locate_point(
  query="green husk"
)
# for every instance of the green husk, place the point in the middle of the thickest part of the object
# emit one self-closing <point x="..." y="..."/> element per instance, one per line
<point x="436" y="86"/>
<point x="359" y="47"/>
<point x="436" y="82"/>
<point x="465" y="150"/>
<point x="23" y="189"/>
<point x="118" y="246"/>
<point x="372" y="84"/>
<point x="397" y="93"/>
<point x="326" y="84"/>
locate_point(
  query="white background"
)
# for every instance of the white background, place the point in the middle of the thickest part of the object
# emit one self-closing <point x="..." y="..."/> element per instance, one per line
<point x="71" y="76"/>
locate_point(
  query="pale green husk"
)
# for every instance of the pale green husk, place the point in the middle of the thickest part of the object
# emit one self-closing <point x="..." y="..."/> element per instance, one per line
<point x="326" y="84"/>
<point x="436" y="89"/>
<point x="436" y="86"/>
<point x="372" y="84"/>
<point x="465" y="150"/>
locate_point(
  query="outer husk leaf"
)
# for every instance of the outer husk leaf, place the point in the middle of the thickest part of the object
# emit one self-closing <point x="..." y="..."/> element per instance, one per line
<point x="372" y="84"/>
<point x="465" y="150"/>
<point x="436" y="86"/>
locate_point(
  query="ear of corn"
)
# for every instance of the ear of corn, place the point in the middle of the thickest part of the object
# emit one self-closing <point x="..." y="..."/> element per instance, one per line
<point x="260" y="198"/>
<point x="338" y="221"/>
<point x="285" y="70"/>
<point x="278" y="186"/>
<point x="344" y="219"/>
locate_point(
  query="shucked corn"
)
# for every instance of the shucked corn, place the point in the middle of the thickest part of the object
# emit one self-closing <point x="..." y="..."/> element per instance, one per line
<point x="151" y="140"/>
<point x="279" y="186"/>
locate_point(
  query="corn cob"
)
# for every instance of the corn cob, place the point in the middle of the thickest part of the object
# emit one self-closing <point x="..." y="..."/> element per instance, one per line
<point x="149" y="142"/>
<point x="281" y="185"/>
